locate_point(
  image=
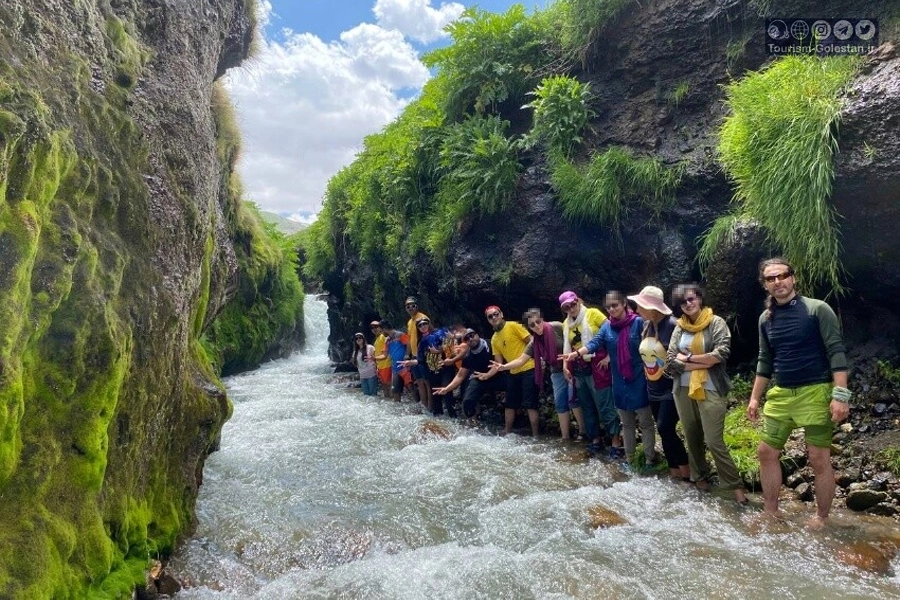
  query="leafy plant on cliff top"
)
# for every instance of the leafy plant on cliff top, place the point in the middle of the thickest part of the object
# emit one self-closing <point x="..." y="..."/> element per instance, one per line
<point x="493" y="58"/>
<point x="777" y="146"/>
<point x="560" y="113"/>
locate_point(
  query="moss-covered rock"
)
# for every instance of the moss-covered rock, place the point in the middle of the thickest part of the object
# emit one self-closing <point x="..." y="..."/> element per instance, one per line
<point x="115" y="255"/>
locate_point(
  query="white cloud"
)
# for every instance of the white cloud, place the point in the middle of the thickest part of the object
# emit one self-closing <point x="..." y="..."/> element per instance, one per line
<point x="416" y="18"/>
<point x="304" y="107"/>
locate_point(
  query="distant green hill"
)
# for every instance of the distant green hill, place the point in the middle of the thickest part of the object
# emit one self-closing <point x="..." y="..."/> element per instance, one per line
<point x="284" y="225"/>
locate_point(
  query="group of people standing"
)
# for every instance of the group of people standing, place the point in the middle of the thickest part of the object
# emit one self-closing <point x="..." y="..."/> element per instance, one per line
<point x="636" y="367"/>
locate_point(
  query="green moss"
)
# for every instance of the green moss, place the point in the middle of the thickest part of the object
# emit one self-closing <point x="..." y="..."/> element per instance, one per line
<point x="268" y="307"/>
<point x="130" y="56"/>
<point x="98" y="420"/>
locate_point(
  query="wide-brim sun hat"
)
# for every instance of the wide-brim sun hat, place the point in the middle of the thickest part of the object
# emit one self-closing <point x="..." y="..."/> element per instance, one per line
<point x="651" y="298"/>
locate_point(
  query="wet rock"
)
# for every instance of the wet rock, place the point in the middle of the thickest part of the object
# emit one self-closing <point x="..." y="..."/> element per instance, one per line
<point x="431" y="429"/>
<point x="167" y="585"/>
<point x="879" y="482"/>
<point x="867" y="556"/>
<point x="804" y="492"/>
<point x="884" y="509"/>
<point x="602" y="517"/>
<point x="840" y="437"/>
<point x="794" y="480"/>
<point x="847" y="476"/>
<point x="864" y="499"/>
<point x="879" y="409"/>
<point x="795" y="458"/>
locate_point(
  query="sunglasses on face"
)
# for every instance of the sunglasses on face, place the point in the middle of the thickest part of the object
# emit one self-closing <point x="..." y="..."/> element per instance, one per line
<point x="535" y="323"/>
<point x="425" y="324"/>
<point x="493" y="315"/>
<point x="778" y="277"/>
<point x="412" y="306"/>
<point x="612" y="305"/>
<point x="470" y="336"/>
<point x="569" y="306"/>
<point x="690" y="300"/>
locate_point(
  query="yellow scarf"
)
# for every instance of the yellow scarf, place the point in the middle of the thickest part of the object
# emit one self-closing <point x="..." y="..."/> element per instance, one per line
<point x="698" y="376"/>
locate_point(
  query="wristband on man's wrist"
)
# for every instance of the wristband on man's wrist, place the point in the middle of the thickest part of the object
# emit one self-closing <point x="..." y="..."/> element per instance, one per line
<point x="841" y="394"/>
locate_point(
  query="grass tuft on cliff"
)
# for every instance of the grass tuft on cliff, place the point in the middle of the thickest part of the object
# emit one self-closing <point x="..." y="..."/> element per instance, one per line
<point x="611" y="184"/>
<point x="778" y="146"/>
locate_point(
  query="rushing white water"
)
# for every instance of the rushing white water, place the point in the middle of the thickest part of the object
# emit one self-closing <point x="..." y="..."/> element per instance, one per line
<point x="319" y="492"/>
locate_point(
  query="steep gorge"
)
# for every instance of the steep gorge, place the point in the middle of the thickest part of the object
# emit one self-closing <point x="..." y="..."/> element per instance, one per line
<point x="115" y="208"/>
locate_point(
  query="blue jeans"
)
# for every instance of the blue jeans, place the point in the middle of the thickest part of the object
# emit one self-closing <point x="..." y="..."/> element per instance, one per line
<point x="560" y="392"/>
<point x="369" y="385"/>
<point x="597" y="407"/>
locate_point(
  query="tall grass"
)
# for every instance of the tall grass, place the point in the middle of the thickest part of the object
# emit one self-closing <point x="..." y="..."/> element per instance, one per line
<point x="722" y="234"/>
<point x="585" y="22"/>
<point x="778" y="146"/>
<point x="612" y="183"/>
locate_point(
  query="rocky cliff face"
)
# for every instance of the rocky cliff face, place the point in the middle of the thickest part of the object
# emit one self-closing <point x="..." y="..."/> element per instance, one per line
<point x="114" y="256"/>
<point x="657" y="75"/>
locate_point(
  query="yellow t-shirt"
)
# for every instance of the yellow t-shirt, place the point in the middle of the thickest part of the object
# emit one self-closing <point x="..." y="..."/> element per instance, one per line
<point x="413" y="332"/>
<point x="380" y="348"/>
<point x="510" y="342"/>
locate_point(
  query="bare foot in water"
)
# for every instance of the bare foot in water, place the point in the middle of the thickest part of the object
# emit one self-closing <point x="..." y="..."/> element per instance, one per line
<point x="766" y="522"/>
<point x="816" y="523"/>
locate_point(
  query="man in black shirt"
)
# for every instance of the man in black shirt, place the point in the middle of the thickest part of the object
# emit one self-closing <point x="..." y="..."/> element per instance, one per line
<point x="477" y="360"/>
<point x="800" y="345"/>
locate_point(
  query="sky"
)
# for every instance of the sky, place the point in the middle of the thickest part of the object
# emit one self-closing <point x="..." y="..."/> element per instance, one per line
<point x="327" y="74"/>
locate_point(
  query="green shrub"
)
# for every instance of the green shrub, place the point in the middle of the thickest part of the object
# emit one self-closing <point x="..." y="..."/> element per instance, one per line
<point x="679" y="93"/>
<point x="560" y="113"/>
<point x="612" y="182"/>
<point x="494" y="58"/>
<point x="777" y="146"/>
<point x="890" y="459"/>
<point x="889" y="372"/>
<point x="742" y="438"/>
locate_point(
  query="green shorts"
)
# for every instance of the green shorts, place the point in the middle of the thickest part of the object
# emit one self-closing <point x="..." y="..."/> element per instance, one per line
<point x="789" y="408"/>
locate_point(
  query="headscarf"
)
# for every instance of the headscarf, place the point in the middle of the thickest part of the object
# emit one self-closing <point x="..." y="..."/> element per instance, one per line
<point x="623" y="349"/>
<point x="544" y="346"/>
<point x="698" y="376"/>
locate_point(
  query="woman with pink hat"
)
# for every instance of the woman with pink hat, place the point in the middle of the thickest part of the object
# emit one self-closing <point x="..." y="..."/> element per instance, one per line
<point x="593" y="384"/>
<point x="658" y="327"/>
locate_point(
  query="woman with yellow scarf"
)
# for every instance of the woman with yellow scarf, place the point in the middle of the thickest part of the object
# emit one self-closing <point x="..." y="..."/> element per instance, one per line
<point x="701" y="343"/>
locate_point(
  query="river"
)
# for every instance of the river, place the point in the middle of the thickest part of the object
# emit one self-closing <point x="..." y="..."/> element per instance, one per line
<point x="319" y="492"/>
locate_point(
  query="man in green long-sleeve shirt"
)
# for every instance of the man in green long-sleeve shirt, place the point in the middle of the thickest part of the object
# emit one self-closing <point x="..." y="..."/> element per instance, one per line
<point x="800" y="344"/>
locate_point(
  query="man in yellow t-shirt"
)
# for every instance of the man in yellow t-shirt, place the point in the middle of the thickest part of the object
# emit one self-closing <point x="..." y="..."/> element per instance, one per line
<point x="382" y="360"/>
<point x="508" y="343"/>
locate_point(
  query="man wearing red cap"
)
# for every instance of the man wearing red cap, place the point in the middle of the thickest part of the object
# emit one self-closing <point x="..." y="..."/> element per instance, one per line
<point x="508" y="343"/>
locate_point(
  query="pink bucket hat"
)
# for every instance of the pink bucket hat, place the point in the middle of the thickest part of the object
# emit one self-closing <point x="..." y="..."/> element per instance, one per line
<point x="651" y="298"/>
<point x="567" y="297"/>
